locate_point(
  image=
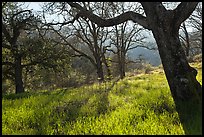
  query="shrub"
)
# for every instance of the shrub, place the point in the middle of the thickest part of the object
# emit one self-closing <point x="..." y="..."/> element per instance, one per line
<point x="148" y="68"/>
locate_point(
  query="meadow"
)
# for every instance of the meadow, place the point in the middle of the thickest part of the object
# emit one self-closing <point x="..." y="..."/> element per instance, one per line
<point x="137" y="105"/>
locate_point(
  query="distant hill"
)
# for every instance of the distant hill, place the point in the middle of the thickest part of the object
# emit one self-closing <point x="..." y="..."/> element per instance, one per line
<point x="151" y="56"/>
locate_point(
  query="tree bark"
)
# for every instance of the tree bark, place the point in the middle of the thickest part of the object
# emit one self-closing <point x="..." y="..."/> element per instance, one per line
<point x="100" y="70"/>
<point x="185" y="89"/>
<point x="121" y="63"/>
<point x="180" y="76"/>
<point x="18" y="76"/>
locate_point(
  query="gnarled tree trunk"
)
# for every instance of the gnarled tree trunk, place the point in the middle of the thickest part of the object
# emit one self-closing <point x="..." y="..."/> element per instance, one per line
<point x="181" y="77"/>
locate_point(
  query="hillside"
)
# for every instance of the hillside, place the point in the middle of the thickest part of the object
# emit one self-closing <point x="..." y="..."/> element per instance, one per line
<point x="151" y="56"/>
<point x="138" y="105"/>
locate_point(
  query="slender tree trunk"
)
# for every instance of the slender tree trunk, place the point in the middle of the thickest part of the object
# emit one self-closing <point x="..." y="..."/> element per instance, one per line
<point x="107" y="67"/>
<point x="100" y="74"/>
<point x="108" y="71"/>
<point x="122" y="63"/>
<point x="18" y="76"/>
<point x="187" y="40"/>
<point x="99" y="68"/>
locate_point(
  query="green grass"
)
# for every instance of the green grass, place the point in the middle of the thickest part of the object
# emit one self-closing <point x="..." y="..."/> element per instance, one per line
<point x="137" y="105"/>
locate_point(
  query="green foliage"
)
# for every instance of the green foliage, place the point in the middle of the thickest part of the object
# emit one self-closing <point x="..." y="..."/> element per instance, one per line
<point x="34" y="51"/>
<point x="138" y="105"/>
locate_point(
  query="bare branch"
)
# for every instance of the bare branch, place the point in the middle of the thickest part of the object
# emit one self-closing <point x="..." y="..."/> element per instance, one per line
<point x="76" y="50"/>
<point x="130" y="15"/>
<point x="142" y="46"/>
<point x="20" y="13"/>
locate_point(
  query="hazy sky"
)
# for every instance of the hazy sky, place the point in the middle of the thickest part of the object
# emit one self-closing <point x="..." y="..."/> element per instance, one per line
<point x="36" y="6"/>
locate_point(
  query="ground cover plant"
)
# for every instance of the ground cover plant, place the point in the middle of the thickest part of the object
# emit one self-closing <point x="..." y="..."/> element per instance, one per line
<point x="137" y="105"/>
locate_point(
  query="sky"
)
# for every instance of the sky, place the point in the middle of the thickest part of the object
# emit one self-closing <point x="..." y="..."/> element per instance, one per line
<point x="36" y="6"/>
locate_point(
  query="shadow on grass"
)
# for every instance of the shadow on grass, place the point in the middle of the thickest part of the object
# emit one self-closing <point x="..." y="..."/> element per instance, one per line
<point x="14" y="96"/>
<point x="47" y="118"/>
<point x="103" y="102"/>
<point x="72" y="108"/>
<point x="190" y="115"/>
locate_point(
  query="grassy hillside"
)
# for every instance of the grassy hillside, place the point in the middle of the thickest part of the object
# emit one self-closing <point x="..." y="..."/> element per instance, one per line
<point x="140" y="104"/>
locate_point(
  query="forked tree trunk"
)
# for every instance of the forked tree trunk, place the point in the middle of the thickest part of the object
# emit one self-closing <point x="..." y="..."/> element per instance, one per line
<point x="18" y="76"/>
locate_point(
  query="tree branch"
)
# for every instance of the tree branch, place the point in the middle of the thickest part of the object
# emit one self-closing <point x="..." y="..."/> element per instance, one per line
<point x="142" y="46"/>
<point x="73" y="48"/>
<point x="130" y="15"/>
<point x="183" y="11"/>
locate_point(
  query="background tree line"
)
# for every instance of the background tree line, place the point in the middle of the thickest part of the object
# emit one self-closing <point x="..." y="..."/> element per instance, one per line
<point x="37" y="55"/>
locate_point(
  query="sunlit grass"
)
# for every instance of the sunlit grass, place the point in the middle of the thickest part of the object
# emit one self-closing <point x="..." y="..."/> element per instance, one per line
<point x="137" y="105"/>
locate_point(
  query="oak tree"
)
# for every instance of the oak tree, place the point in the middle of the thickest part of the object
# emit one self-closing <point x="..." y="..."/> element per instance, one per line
<point x="164" y="25"/>
<point x="23" y="46"/>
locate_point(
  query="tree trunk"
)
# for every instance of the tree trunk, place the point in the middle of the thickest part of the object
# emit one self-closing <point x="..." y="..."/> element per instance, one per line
<point x="18" y="76"/>
<point x="100" y="74"/>
<point x="122" y="64"/>
<point x="181" y="77"/>
<point x="99" y="68"/>
<point x="107" y="67"/>
<point x="108" y="71"/>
